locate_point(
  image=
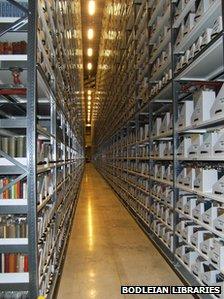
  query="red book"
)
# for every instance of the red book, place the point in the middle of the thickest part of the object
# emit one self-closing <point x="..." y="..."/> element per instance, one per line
<point x="6" y="262"/>
<point x="18" y="190"/>
<point x="26" y="263"/>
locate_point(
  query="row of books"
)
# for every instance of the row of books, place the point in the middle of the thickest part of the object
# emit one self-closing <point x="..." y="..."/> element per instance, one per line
<point x="17" y="191"/>
<point x="13" y="227"/>
<point x="9" y="10"/>
<point x="14" y="295"/>
<point x="45" y="185"/>
<point x="13" y="48"/>
<point x="13" y="146"/>
<point x="13" y="262"/>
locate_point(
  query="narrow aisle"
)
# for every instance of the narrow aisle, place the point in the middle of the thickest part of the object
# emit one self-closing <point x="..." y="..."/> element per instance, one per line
<point x="107" y="249"/>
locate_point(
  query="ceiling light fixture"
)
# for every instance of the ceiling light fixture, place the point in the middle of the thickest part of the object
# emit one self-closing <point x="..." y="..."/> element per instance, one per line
<point x="89" y="92"/>
<point x="90" y="33"/>
<point x="92" y="7"/>
<point x="90" y="52"/>
<point x="89" y="66"/>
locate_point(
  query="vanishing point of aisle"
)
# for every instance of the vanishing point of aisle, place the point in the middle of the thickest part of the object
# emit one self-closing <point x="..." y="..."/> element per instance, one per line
<point x="107" y="249"/>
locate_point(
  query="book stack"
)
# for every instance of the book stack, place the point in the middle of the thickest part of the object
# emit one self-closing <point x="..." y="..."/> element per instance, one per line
<point x="13" y="146"/>
<point x="13" y="227"/>
<point x="17" y="191"/>
<point x="14" y="295"/>
<point x="13" y="48"/>
<point x="13" y="262"/>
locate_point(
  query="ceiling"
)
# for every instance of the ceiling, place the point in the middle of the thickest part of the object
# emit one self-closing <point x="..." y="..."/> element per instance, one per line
<point x="94" y="22"/>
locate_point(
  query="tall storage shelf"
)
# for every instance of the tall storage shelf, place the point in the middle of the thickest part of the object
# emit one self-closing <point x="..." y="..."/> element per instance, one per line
<point x="41" y="143"/>
<point x="165" y="158"/>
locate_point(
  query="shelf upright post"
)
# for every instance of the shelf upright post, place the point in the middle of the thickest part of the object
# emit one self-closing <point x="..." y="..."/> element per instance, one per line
<point x="223" y="29"/>
<point x="54" y="141"/>
<point x="137" y="133"/>
<point x="175" y="93"/>
<point x="150" y="118"/>
<point x="31" y="148"/>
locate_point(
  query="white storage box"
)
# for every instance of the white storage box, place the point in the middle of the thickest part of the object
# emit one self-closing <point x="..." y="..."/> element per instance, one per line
<point x="210" y="215"/>
<point x="190" y="205"/>
<point x="188" y="231"/>
<point x="165" y="123"/>
<point x="217" y="109"/>
<point x="218" y="223"/>
<point x="168" y="151"/>
<point x="188" y="180"/>
<point x="182" y="151"/>
<point x="198" y="45"/>
<point x="181" y="250"/>
<point x="197" y="236"/>
<point x="185" y="112"/>
<point x="190" y="257"/>
<point x="205" y="179"/>
<point x="217" y="254"/>
<point x="180" y="35"/>
<point x="202" y="206"/>
<point x="196" y="142"/>
<point x="198" y="267"/>
<point x="181" y="176"/>
<point x="218" y="149"/>
<point x="218" y="188"/>
<point x="217" y="27"/>
<point x="207" y="243"/>
<point x="156" y="126"/>
<point x="189" y="24"/>
<point x="203" y="101"/>
<point x="202" y="8"/>
<point x="209" y="141"/>
<point x="206" y="37"/>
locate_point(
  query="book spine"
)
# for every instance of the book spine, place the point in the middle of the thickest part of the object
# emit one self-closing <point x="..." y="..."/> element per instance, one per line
<point x="26" y="263"/>
<point x="2" y="263"/>
<point x="12" y="263"/>
<point x="6" y="263"/>
<point x="6" y="193"/>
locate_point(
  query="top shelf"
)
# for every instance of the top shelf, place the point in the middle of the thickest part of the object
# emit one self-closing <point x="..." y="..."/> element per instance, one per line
<point x="184" y="12"/>
<point x="206" y="21"/>
<point x="158" y="11"/>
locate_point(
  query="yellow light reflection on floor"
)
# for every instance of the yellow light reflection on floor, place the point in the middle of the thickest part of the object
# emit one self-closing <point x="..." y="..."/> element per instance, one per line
<point x="92" y="293"/>
<point x="90" y="225"/>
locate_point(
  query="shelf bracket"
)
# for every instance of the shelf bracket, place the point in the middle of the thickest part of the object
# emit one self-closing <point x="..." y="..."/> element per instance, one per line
<point x="14" y="161"/>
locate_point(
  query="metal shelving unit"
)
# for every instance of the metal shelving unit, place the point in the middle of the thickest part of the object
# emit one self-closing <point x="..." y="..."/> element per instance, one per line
<point x="157" y="155"/>
<point x="41" y="148"/>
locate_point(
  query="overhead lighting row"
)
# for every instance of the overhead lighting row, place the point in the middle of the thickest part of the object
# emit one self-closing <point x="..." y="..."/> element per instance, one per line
<point x="89" y="97"/>
<point x="90" y="31"/>
<point x="90" y="36"/>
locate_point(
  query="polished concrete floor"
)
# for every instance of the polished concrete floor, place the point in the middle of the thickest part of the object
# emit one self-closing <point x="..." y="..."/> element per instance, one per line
<point x="107" y="249"/>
